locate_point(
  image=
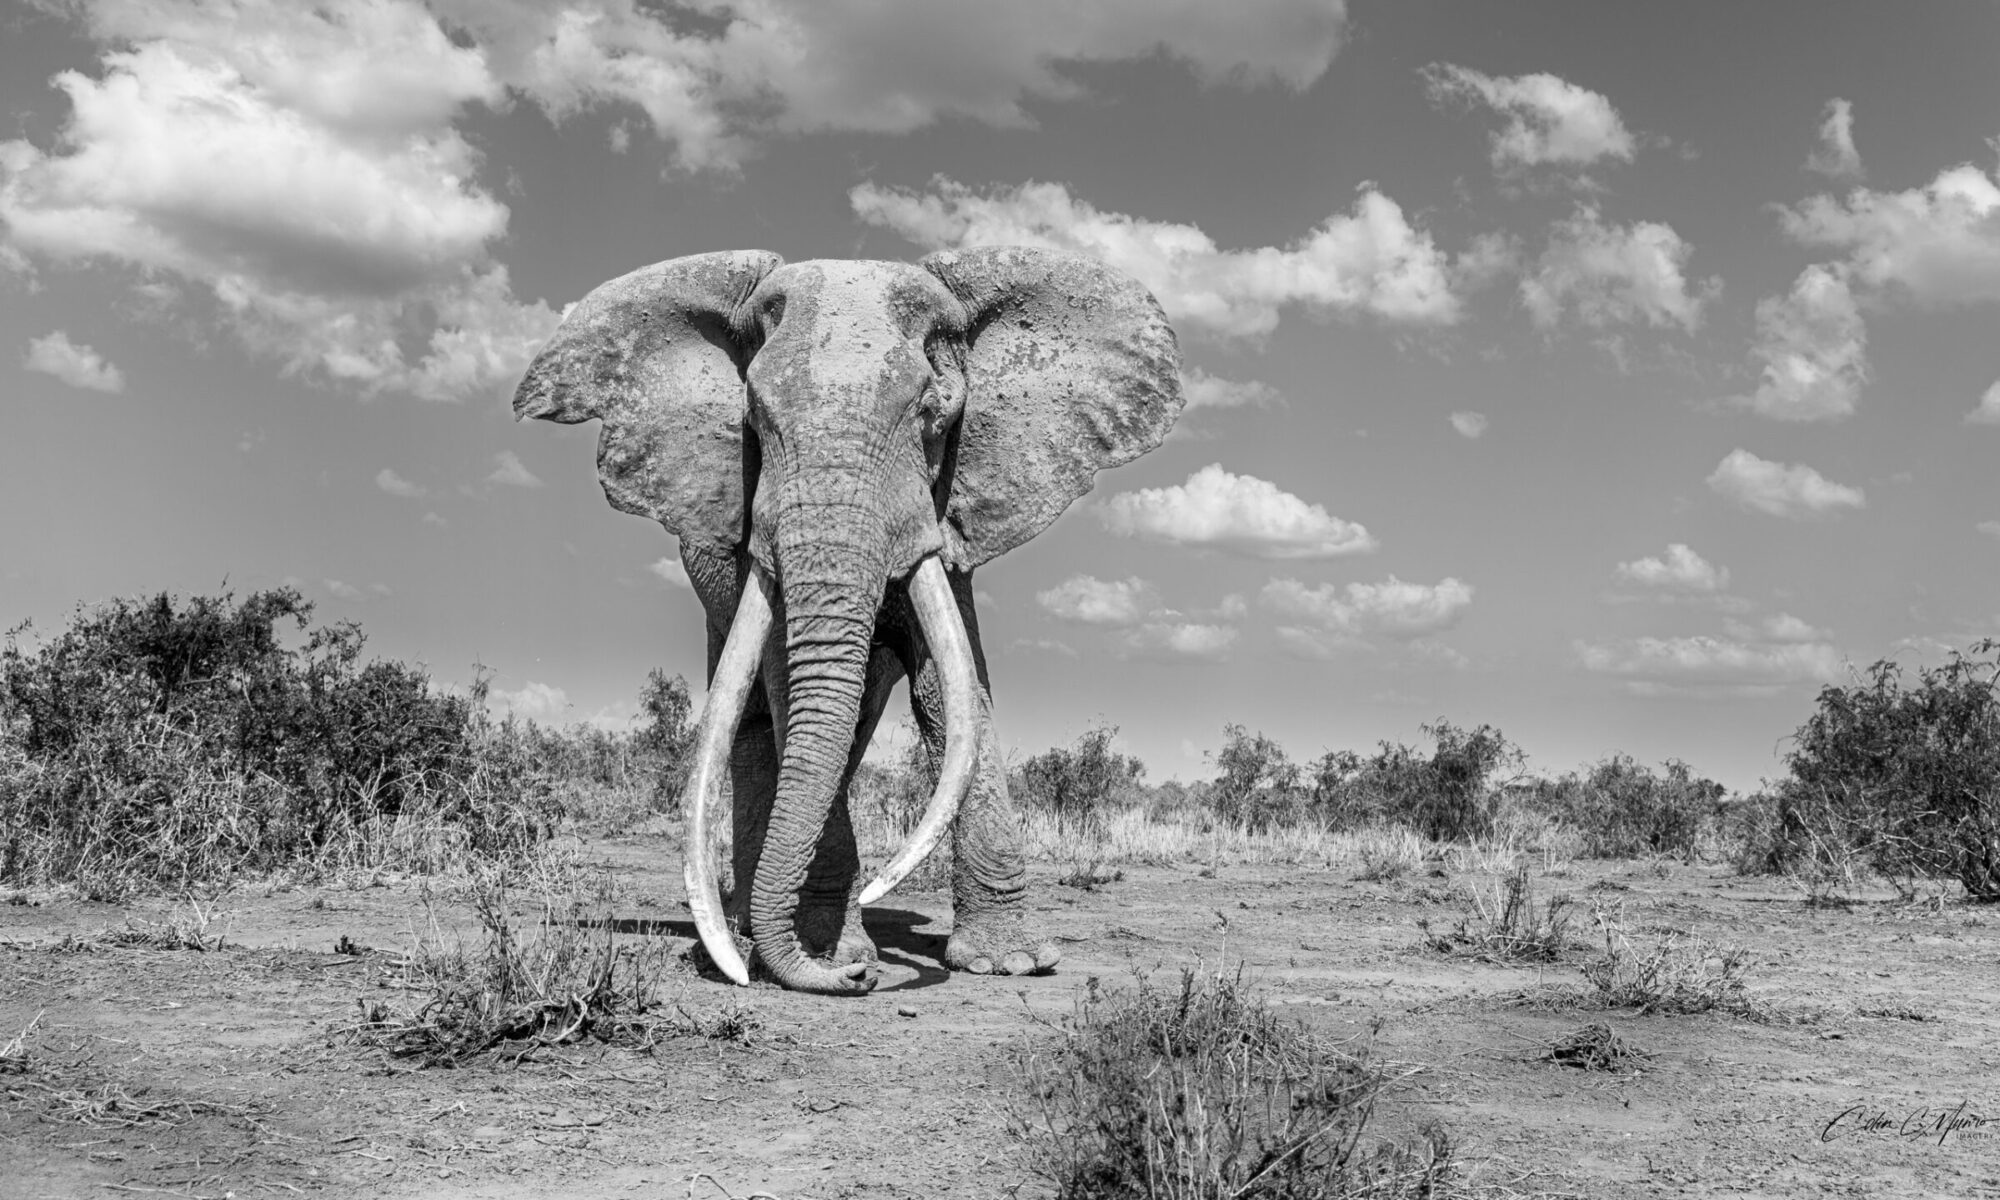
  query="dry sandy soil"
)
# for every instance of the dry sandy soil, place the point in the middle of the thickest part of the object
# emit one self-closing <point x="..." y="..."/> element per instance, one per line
<point x="226" y="1074"/>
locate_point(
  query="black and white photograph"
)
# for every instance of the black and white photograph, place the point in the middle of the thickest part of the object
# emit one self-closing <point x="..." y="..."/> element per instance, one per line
<point x="1103" y="599"/>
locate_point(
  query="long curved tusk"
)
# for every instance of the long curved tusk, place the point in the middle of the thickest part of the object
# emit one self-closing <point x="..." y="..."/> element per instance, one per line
<point x="951" y="650"/>
<point x="728" y="692"/>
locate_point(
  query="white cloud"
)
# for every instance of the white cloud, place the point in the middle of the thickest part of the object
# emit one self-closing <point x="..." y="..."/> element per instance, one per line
<point x="1370" y="261"/>
<point x="1143" y="626"/>
<point x="1835" y="156"/>
<point x="1611" y="275"/>
<point x="1780" y="489"/>
<point x="1989" y="528"/>
<point x="1358" y="611"/>
<point x="512" y="472"/>
<point x="532" y="701"/>
<point x="1936" y="245"/>
<point x="396" y="485"/>
<point x="672" y="572"/>
<point x="1680" y="570"/>
<point x="1814" y="347"/>
<point x="1469" y="424"/>
<point x="1657" y="666"/>
<point x="1203" y="390"/>
<point x="711" y="79"/>
<point x="1178" y="639"/>
<point x="1550" y="121"/>
<point x="1988" y="410"/>
<point x="296" y="163"/>
<point x="1779" y="627"/>
<point x="1092" y="601"/>
<point x="1049" y="645"/>
<point x="1237" y="513"/>
<point x="433" y="519"/>
<point x="78" y="366"/>
<point x="349" y="592"/>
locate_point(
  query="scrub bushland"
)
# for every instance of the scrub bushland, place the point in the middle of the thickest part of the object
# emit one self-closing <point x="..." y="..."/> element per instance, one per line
<point x="164" y="744"/>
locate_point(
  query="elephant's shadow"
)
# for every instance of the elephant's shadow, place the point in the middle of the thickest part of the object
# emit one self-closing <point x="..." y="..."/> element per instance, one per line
<point x="899" y="941"/>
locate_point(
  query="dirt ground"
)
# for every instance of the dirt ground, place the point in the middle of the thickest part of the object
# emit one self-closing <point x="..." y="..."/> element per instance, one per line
<point x="224" y="1074"/>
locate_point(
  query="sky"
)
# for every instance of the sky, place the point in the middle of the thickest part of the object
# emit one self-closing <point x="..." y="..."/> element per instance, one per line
<point x="1617" y="375"/>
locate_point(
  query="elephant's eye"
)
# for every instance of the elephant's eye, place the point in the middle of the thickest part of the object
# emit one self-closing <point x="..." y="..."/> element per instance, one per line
<point x="774" y="310"/>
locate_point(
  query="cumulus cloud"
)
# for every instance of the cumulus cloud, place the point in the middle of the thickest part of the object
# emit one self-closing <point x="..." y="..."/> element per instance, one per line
<point x="1936" y="245"/>
<point x="396" y="485"/>
<point x="349" y="592"/>
<point x="1143" y="625"/>
<point x="1779" y="627"/>
<point x="78" y="366"/>
<point x="1177" y="639"/>
<point x="512" y="472"/>
<point x="1668" y="666"/>
<point x="1202" y="390"/>
<point x="1814" y="347"/>
<point x="1092" y="601"/>
<point x="1780" y="489"/>
<point x="298" y="166"/>
<point x="532" y="701"/>
<point x="1358" y="612"/>
<point x="1605" y="274"/>
<point x="712" y="79"/>
<point x="1370" y="261"/>
<point x="1469" y="424"/>
<point x="1835" y="156"/>
<point x="672" y="572"/>
<point x="1988" y="410"/>
<point x="1237" y="513"/>
<point x="1679" y="570"/>
<point x="1989" y="528"/>
<point x="1550" y="121"/>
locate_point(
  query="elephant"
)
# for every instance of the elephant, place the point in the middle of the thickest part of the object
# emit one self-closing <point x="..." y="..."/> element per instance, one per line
<point x="838" y="445"/>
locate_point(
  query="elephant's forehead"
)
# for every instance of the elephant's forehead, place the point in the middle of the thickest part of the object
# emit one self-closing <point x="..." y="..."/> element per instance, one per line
<point x="860" y="289"/>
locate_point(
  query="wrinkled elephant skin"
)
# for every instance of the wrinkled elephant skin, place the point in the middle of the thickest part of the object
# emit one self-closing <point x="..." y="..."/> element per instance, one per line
<point x="838" y="445"/>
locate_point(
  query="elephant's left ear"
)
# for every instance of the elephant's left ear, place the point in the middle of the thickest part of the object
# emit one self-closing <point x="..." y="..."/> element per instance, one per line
<point x="1070" y="367"/>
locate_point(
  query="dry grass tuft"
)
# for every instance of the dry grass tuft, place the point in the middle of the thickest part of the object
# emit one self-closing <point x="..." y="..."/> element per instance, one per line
<point x="570" y="979"/>
<point x="1507" y="926"/>
<point x="1202" y="1091"/>
<point x="1595" y="1047"/>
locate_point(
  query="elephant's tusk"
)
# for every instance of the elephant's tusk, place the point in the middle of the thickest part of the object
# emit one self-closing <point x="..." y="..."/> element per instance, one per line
<point x="951" y="650"/>
<point x="728" y="691"/>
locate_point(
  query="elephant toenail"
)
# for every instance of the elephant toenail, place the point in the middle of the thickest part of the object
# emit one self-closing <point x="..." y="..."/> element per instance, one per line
<point x="980" y="966"/>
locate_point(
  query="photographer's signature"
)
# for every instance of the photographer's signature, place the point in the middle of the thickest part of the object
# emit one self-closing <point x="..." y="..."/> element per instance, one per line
<point x="1925" y="1123"/>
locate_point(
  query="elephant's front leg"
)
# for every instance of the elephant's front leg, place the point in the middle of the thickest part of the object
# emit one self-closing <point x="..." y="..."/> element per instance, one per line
<point x="989" y="880"/>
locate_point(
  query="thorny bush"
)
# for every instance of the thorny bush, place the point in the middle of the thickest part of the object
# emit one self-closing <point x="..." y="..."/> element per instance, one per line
<point x="156" y="744"/>
<point x="1200" y="1092"/>
<point x="1905" y="777"/>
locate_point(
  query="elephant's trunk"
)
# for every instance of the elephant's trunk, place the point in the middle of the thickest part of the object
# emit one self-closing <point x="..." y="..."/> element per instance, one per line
<point x="832" y="587"/>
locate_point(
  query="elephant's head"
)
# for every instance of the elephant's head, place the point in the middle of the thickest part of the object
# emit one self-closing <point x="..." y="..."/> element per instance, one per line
<point x="843" y="428"/>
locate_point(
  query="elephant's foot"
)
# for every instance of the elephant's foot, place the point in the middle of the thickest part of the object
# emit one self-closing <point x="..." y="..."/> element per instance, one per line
<point x="998" y="947"/>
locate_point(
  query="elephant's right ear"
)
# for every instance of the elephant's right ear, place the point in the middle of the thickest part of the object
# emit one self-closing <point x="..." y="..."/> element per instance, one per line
<point x="655" y="356"/>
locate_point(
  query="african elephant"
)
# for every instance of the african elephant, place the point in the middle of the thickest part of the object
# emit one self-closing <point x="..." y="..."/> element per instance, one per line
<point x="838" y="445"/>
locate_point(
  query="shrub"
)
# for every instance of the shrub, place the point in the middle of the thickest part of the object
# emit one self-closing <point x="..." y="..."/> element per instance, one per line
<point x="1624" y="810"/>
<point x="1079" y="784"/>
<point x="1258" y="786"/>
<point x="1906" y="777"/>
<point x="1202" y="1092"/>
<point x="164" y="743"/>
<point x="1445" y="793"/>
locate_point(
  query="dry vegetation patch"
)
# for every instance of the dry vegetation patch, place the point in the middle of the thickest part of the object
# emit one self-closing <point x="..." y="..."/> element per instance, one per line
<point x="1202" y="1092"/>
